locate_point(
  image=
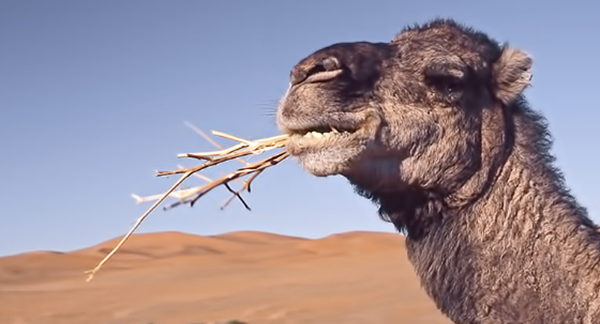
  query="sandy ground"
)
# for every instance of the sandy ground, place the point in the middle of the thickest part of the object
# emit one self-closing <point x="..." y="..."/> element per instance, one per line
<point x="176" y="278"/>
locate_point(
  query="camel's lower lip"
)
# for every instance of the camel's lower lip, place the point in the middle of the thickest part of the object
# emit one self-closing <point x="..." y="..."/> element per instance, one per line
<point x="325" y="152"/>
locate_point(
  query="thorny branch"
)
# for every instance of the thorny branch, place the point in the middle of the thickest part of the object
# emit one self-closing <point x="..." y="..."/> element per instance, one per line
<point x="243" y="148"/>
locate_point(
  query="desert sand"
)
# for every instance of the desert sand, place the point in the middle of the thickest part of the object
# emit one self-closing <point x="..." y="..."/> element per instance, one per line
<point x="253" y="277"/>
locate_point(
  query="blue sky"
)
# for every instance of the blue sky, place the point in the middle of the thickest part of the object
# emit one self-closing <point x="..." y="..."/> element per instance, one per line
<point x="94" y="96"/>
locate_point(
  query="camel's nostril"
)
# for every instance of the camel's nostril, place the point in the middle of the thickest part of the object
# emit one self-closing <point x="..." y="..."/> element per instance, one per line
<point x="331" y="63"/>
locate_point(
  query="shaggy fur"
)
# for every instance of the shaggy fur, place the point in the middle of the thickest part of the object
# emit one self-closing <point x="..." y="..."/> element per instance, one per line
<point x="440" y="136"/>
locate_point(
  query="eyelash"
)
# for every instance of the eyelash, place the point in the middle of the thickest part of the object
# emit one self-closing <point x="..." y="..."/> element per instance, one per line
<point x="444" y="84"/>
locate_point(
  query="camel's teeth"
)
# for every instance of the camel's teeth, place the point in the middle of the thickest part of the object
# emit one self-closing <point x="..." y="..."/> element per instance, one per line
<point x="317" y="135"/>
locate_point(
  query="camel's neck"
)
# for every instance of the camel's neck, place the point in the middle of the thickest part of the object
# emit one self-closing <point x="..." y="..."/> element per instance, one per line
<point x="523" y="253"/>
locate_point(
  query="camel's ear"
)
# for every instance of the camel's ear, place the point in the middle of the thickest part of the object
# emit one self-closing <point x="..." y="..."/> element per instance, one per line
<point x="512" y="74"/>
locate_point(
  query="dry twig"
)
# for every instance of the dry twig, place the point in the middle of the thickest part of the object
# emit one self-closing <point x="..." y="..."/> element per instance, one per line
<point x="243" y="148"/>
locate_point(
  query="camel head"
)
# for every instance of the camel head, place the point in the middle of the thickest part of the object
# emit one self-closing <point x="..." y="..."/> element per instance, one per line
<point x="408" y="113"/>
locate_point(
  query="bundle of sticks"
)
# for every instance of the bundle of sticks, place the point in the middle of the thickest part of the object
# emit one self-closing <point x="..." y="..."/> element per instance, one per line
<point x="209" y="159"/>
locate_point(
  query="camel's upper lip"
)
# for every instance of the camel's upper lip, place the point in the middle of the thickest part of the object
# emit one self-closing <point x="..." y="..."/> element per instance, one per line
<point x="356" y="123"/>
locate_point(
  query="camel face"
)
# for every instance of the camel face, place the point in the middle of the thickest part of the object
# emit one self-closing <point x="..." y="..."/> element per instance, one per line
<point x="328" y="110"/>
<point x="404" y="113"/>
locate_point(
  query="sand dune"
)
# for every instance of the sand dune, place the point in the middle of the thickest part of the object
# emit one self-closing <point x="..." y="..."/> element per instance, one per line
<point x="254" y="277"/>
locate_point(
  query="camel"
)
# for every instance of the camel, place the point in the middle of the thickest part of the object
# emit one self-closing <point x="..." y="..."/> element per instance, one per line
<point x="434" y="127"/>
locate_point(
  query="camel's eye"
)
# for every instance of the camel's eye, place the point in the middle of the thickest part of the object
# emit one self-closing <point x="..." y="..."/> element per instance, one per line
<point x="445" y="81"/>
<point x="444" y="84"/>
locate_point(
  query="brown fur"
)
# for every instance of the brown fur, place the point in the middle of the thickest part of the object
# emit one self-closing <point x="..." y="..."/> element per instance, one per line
<point x="440" y="136"/>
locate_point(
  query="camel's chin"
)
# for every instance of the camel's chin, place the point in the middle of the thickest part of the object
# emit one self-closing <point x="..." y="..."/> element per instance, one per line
<point x="323" y="163"/>
<point x="325" y="156"/>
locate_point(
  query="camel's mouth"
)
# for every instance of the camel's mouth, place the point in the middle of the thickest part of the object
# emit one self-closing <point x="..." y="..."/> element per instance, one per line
<point x="321" y="137"/>
<point x="322" y="133"/>
<point x="328" y="149"/>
